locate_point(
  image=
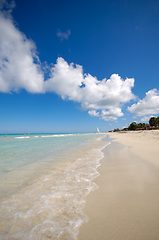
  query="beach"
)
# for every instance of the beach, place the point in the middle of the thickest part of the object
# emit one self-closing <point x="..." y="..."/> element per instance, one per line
<point x="45" y="180"/>
<point x="125" y="205"/>
<point x="80" y="186"/>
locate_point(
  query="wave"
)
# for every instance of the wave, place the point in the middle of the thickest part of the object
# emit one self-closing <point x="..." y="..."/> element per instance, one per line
<point x="57" y="135"/>
<point x="52" y="207"/>
<point x="22" y="137"/>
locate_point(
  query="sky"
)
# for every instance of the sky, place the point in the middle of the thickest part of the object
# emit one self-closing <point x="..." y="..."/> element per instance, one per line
<point x="72" y="66"/>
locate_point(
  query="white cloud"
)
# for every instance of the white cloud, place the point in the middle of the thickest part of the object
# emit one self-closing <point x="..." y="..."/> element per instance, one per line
<point x="107" y="115"/>
<point x="146" y="118"/>
<point x="65" y="80"/>
<point x="106" y="94"/>
<point x="70" y="83"/>
<point x="93" y="113"/>
<point x="20" y="68"/>
<point x="112" y="114"/>
<point x="17" y="60"/>
<point x="148" y="105"/>
<point x="63" y="35"/>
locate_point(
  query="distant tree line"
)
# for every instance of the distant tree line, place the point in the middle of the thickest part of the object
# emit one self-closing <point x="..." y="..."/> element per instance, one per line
<point x="153" y="122"/>
<point x="134" y="126"/>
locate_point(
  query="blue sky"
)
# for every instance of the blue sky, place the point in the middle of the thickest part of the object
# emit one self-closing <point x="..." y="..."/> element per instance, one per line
<point x="73" y="66"/>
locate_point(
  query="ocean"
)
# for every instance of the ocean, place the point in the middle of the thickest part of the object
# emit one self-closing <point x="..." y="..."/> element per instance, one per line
<point x="44" y="182"/>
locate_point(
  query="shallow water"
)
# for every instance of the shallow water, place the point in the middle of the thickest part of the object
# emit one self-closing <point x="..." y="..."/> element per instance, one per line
<point x="44" y="183"/>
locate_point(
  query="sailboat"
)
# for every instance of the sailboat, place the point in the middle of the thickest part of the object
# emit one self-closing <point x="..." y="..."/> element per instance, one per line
<point x="98" y="130"/>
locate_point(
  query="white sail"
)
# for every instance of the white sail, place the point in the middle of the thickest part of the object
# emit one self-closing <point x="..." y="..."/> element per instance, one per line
<point x="97" y="129"/>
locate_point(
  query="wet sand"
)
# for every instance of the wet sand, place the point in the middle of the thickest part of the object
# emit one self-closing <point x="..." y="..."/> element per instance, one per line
<point x="126" y="204"/>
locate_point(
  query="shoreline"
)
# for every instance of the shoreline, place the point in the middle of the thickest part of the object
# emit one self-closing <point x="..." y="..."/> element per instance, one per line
<point x="125" y="206"/>
<point x="44" y="199"/>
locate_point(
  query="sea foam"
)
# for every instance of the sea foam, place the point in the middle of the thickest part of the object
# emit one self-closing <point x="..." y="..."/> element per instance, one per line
<point x="51" y="207"/>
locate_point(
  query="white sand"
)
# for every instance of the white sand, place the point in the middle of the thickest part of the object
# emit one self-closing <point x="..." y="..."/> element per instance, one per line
<point x="144" y="144"/>
<point x="126" y="205"/>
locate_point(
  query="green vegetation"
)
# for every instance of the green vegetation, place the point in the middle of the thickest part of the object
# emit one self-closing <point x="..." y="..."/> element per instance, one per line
<point x="134" y="126"/>
<point x="116" y="130"/>
<point x="153" y="124"/>
<point x="154" y="121"/>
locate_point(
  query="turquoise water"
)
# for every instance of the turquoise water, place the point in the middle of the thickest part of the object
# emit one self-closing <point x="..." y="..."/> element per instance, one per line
<point x="17" y="151"/>
<point x="45" y="179"/>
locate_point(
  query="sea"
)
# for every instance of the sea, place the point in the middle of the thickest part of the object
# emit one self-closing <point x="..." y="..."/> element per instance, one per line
<point x="44" y="183"/>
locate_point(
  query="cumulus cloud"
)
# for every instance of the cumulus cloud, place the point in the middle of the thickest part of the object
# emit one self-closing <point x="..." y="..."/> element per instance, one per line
<point x="107" y="115"/>
<point x="146" y="118"/>
<point x="71" y="83"/>
<point x="20" y="68"/>
<point x="93" y="113"/>
<point x="18" y="60"/>
<point x="148" y="105"/>
<point x="65" y="80"/>
<point x="112" y="114"/>
<point x="63" y="35"/>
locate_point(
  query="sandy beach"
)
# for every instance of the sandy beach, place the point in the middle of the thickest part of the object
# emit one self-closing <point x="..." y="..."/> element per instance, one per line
<point x="126" y="204"/>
